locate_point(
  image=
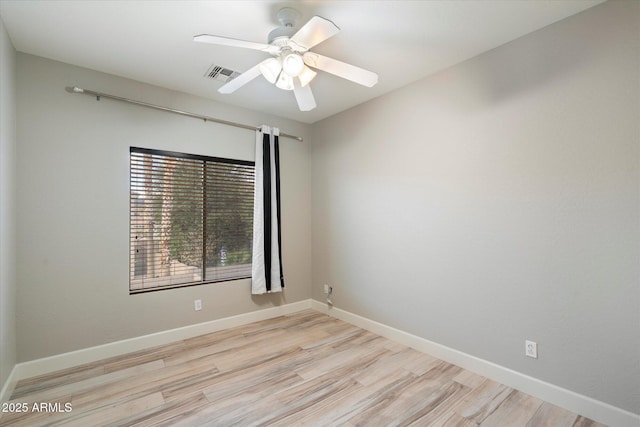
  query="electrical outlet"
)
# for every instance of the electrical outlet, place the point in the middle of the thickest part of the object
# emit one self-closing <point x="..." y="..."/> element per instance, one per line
<point x="531" y="349"/>
<point x="326" y="288"/>
<point x="197" y="305"/>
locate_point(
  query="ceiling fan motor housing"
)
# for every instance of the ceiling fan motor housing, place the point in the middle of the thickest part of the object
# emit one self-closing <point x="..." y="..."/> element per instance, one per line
<point x="287" y="17"/>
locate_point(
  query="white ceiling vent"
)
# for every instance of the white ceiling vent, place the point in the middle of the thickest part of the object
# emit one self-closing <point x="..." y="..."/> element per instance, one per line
<point x="222" y="74"/>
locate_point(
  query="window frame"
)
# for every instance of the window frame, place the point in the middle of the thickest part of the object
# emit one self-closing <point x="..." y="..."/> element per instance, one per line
<point x="188" y="156"/>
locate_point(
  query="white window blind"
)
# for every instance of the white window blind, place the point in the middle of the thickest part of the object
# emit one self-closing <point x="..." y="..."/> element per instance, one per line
<point x="191" y="219"/>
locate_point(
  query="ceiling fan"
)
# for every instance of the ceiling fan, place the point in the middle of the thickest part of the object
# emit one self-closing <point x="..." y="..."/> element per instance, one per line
<point x="288" y="68"/>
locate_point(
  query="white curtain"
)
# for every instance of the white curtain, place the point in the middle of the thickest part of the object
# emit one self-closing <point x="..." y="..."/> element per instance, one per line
<point x="266" y="272"/>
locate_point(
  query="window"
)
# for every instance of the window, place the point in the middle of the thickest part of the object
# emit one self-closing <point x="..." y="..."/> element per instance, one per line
<point x="188" y="215"/>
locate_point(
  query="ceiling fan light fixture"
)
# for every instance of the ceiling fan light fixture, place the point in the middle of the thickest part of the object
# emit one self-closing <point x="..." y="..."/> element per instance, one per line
<point x="271" y="69"/>
<point x="306" y="76"/>
<point x="285" y="82"/>
<point x="292" y="64"/>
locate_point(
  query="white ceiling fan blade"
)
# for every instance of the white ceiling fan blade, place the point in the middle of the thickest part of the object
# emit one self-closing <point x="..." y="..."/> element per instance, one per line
<point x="226" y="41"/>
<point x="241" y="80"/>
<point x="315" y="31"/>
<point x="304" y="96"/>
<point x="341" y="69"/>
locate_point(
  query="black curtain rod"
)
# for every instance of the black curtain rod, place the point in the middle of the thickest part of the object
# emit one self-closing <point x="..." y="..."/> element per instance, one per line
<point x="99" y="95"/>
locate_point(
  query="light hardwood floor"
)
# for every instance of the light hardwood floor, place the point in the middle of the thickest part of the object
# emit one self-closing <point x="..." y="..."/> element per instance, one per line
<point x="302" y="369"/>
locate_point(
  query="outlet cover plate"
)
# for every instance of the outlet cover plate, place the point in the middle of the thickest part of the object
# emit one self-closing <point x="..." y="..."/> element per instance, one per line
<point x="531" y="349"/>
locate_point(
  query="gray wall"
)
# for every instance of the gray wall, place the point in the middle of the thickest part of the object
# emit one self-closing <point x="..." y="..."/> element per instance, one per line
<point x="499" y="201"/>
<point x="7" y="206"/>
<point x="73" y="202"/>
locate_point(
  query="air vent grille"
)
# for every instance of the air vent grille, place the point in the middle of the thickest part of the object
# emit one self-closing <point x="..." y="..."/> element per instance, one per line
<point x="221" y="74"/>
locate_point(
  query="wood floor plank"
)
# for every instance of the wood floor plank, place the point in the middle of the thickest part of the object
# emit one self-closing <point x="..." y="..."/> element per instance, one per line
<point x="113" y="413"/>
<point x="335" y="337"/>
<point x="376" y="402"/>
<point x="143" y="357"/>
<point x="247" y="415"/>
<point x="369" y="397"/>
<point x="301" y="369"/>
<point x="242" y="400"/>
<point x="89" y="383"/>
<point x="173" y="410"/>
<point x="410" y="359"/>
<point x="516" y="410"/>
<point x="415" y="399"/>
<point x="483" y="400"/>
<point x="344" y="360"/>
<point x="405" y="406"/>
<point x="469" y="379"/>
<point x="206" y="347"/>
<point x="143" y="383"/>
<point x="385" y="366"/>
<point x="44" y="382"/>
<point x="551" y="414"/>
<point x="447" y="397"/>
<point x="454" y="420"/>
<point x="421" y="363"/>
<point x="586" y="422"/>
<point x="431" y="410"/>
<point x="311" y="396"/>
<point x="196" y="382"/>
<point x="244" y="394"/>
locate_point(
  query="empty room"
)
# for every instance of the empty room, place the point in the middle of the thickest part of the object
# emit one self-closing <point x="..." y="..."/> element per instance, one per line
<point x="326" y="213"/>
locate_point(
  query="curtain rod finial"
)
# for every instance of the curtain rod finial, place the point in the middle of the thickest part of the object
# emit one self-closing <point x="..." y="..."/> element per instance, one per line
<point x="74" y="89"/>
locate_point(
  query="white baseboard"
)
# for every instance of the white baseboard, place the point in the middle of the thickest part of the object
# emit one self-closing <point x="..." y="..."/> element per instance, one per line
<point x="574" y="402"/>
<point x="9" y="385"/>
<point x="92" y="354"/>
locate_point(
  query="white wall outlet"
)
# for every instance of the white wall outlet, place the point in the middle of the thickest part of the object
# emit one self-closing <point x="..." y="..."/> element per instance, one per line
<point x="197" y="305"/>
<point x="531" y="349"/>
<point x="326" y="288"/>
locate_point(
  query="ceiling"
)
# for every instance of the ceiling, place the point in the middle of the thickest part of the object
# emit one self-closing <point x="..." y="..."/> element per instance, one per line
<point x="151" y="41"/>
